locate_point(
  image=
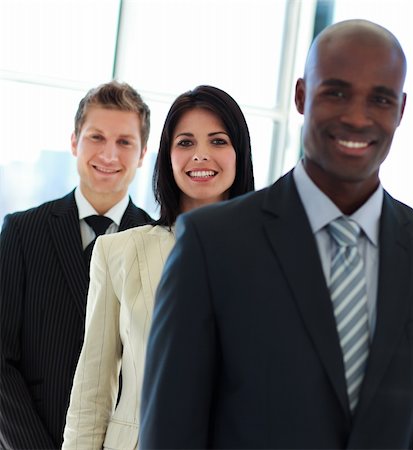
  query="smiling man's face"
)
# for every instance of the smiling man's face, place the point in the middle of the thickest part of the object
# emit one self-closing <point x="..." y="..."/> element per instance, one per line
<point x="108" y="150"/>
<point x="352" y="100"/>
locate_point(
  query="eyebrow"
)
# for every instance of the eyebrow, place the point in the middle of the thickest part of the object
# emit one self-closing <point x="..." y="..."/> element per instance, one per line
<point x="386" y="91"/>
<point x="95" y="129"/>
<point x="335" y="82"/>
<point x="377" y="89"/>
<point x="187" y="133"/>
<point x="98" y="130"/>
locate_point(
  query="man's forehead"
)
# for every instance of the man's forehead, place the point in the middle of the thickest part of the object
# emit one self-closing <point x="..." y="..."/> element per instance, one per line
<point x="346" y="39"/>
<point x="348" y="59"/>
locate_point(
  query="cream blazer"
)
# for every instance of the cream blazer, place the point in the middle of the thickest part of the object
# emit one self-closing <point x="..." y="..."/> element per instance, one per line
<point x="125" y="272"/>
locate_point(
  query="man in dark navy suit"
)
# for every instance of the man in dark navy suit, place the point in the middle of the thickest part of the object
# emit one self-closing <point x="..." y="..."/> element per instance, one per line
<point x="284" y="318"/>
<point x="44" y="255"/>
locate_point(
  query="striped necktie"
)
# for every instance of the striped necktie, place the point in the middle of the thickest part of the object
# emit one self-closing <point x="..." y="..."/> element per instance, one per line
<point x="349" y="296"/>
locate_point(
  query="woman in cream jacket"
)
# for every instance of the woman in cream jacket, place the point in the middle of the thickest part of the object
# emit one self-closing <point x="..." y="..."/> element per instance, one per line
<point x="204" y="157"/>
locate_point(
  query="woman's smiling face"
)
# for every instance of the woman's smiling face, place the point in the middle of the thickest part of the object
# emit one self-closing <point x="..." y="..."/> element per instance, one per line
<point x="203" y="159"/>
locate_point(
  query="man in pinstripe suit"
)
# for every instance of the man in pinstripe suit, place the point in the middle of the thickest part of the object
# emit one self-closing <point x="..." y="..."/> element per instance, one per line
<point x="44" y="272"/>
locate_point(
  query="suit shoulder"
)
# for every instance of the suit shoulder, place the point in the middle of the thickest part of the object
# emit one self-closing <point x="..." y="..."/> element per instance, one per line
<point x="138" y="242"/>
<point x="404" y="211"/>
<point x="125" y="235"/>
<point x="142" y="232"/>
<point x="37" y="214"/>
<point x="238" y="206"/>
<point x="138" y="213"/>
<point x="238" y="214"/>
<point x="232" y="209"/>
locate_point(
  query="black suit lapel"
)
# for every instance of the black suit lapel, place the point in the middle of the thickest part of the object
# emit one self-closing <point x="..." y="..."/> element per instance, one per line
<point x="65" y="233"/>
<point x="292" y="239"/>
<point x="393" y="300"/>
<point x="133" y="217"/>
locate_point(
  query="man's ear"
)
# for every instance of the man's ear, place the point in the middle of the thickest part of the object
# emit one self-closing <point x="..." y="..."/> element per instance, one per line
<point x="73" y="142"/>
<point x="300" y="95"/>
<point x="142" y="155"/>
<point x="402" y="108"/>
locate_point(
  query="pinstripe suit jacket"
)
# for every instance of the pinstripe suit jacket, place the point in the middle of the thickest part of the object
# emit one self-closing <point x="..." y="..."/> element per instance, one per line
<point x="125" y="271"/>
<point x="43" y="289"/>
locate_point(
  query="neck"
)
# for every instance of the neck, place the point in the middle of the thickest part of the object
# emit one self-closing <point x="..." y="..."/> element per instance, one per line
<point x="348" y="197"/>
<point x="102" y="203"/>
<point x="347" y="193"/>
<point x="347" y="204"/>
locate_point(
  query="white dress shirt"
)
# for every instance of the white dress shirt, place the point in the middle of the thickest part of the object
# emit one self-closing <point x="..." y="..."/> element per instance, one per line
<point x="86" y="209"/>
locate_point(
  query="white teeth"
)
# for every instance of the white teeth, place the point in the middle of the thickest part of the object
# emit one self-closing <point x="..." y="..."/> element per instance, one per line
<point x="201" y="173"/>
<point x="351" y="144"/>
<point x="102" y="169"/>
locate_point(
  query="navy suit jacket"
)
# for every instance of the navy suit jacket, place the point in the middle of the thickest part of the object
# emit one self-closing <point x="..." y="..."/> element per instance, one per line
<point x="243" y="351"/>
<point x="43" y="291"/>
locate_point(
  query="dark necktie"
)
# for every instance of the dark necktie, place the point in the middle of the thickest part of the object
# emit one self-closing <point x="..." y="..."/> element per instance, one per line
<point x="99" y="225"/>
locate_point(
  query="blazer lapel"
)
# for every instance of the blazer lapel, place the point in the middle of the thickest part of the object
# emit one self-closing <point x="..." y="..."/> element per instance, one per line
<point x="133" y="217"/>
<point x="393" y="298"/>
<point x="65" y="233"/>
<point x="292" y="239"/>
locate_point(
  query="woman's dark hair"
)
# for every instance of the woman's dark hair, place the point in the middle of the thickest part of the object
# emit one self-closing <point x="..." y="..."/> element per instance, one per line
<point x="167" y="193"/>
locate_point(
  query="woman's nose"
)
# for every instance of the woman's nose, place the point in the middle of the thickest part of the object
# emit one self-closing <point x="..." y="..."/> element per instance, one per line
<point x="200" y="155"/>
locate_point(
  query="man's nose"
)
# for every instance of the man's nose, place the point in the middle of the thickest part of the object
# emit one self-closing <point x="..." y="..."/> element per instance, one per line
<point x="357" y="114"/>
<point x="109" y="151"/>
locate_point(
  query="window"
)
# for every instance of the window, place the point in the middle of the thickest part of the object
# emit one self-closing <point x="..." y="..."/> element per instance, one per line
<point x="52" y="52"/>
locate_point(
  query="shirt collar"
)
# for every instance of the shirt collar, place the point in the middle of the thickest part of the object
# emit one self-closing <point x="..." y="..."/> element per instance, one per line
<point x="86" y="209"/>
<point x="321" y="210"/>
